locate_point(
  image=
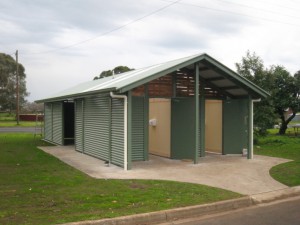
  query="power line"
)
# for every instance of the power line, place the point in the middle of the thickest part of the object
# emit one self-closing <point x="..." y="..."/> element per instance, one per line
<point x="260" y="9"/>
<point x="277" y="5"/>
<point x="235" y="13"/>
<point x="171" y="3"/>
<point x="109" y="31"/>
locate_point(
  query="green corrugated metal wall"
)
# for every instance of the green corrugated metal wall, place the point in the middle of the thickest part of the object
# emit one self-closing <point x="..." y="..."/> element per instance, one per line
<point x="48" y="121"/>
<point x="54" y="122"/>
<point x="99" y="133"/>
<point x="138" y="128"/>
<point x="79" y="122"/>
<point x="96" y="127"/>
<point x="117" y="132"/>
<point x="199" y="136"/>
<point x="58" y="136"/>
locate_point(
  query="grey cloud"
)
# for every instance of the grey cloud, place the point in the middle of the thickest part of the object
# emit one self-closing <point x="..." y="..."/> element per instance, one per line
<point x="178" y="39"/>
<point x="41" y="21"/>
<point x="211" y="17"/>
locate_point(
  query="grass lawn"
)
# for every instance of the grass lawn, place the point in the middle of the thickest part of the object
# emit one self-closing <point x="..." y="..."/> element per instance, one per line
<point x="14" y="124"/>
<point x="284" y="147"/>
<point x="36" y="188"/>
<point x="7" y="116"/>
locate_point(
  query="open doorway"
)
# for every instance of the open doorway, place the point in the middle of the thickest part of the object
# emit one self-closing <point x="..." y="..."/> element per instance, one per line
<point x="69" y="123"/>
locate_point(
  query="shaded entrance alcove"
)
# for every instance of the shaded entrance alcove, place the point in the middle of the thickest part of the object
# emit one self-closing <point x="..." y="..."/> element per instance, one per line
<point x="69" y="123"/>
<point x="171" y="117"/>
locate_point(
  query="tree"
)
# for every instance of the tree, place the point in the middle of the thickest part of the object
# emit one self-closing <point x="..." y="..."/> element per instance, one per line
<point x="297" y="80"/>
<point x="8" y="83"/>
<point x="252" y="68"/>
<point x="32" y="107"/>
<point x="116" y="70"/>
<point x="283" y="88"/>
<point x="285" y="95"/>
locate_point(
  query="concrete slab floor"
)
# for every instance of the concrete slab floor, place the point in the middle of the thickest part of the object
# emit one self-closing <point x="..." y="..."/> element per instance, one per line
<point x="235" y="173"/>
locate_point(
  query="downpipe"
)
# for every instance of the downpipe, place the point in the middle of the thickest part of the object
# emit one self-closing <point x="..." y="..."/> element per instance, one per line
<point x="251" y="126"/>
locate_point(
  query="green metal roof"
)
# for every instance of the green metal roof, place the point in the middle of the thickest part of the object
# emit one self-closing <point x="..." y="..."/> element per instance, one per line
<point x="211" y="70"/>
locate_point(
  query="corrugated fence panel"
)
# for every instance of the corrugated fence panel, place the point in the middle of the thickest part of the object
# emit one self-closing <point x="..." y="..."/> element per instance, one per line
<point x="48" y="121"/>
<point x="199" y="138"/>
<point x="96" y="127"/>
<point x="79" y="125"/>
<point x="137" y="128"/>
<point x="57" y="123"/>
<point x="117" y="132"/>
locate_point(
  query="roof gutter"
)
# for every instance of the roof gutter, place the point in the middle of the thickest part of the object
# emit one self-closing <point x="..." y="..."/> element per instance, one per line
<point x="256" y="100"/>
<point x="125" y="126"/>
<point x="74" y="96"/>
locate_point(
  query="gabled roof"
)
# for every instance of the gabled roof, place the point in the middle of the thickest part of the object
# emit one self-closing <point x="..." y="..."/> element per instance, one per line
<point x="211" y="71"/>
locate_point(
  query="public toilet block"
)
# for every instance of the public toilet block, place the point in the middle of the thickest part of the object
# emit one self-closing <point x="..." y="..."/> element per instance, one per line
<point x="178" y="109"/>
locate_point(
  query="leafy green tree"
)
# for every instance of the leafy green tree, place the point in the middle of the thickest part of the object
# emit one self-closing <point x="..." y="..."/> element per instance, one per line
<point x="8" y="83"/>
<point x="116" y="70"/>
<point x="252" y="68"/>
<point x="284" y="90"/>
<point x="285" y="95"/>
<point x="297" y="79"/>
<point x="32" y="107"/>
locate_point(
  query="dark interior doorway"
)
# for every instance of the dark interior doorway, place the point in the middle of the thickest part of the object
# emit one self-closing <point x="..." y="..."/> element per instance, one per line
<point x="69" y="121"/>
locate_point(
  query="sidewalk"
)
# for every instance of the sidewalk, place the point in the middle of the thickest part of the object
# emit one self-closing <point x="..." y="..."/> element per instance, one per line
<point x="234" y="173"/>
<point x="196" y="211"/>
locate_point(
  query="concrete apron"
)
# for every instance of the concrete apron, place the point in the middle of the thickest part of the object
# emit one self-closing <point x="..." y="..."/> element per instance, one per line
<point x="234" y="173"/>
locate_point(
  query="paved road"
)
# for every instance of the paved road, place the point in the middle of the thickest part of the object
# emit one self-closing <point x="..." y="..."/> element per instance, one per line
<point x="285" y="212"/>
<point x="18" y="130"/>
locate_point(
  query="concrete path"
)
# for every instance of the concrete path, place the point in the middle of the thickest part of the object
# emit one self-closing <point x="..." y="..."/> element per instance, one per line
<point x="235" y="173"/>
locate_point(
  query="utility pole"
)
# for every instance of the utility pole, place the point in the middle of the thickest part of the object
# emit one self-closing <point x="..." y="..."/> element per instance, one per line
<point x="17" y="89"/>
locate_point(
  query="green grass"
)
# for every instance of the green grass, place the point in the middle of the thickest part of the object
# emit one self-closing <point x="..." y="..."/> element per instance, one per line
<point x="7" y="116"/>
<point x="36" y="188"/>
<point x="283" y="147"/>
<point x="21" y="124"/>
<point x="287" y="173"/>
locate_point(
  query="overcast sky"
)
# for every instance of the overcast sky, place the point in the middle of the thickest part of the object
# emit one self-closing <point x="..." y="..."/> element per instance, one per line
<point x="65" y="42"/>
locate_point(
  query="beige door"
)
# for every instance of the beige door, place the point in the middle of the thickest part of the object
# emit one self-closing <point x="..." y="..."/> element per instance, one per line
<point x="160" y="126"/>
<point x="213" y="126"/>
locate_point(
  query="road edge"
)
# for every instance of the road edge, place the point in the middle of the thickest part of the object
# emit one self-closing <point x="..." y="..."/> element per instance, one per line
<point x="169" y="215"/>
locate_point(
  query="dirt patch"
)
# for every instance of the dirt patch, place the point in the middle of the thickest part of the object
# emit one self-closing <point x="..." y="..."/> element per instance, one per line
<point x="138" y="186"/>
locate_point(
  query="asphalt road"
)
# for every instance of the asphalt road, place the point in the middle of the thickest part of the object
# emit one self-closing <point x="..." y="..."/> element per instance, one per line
<point x="285" y="212"/>
<point x="19" y="130"/>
